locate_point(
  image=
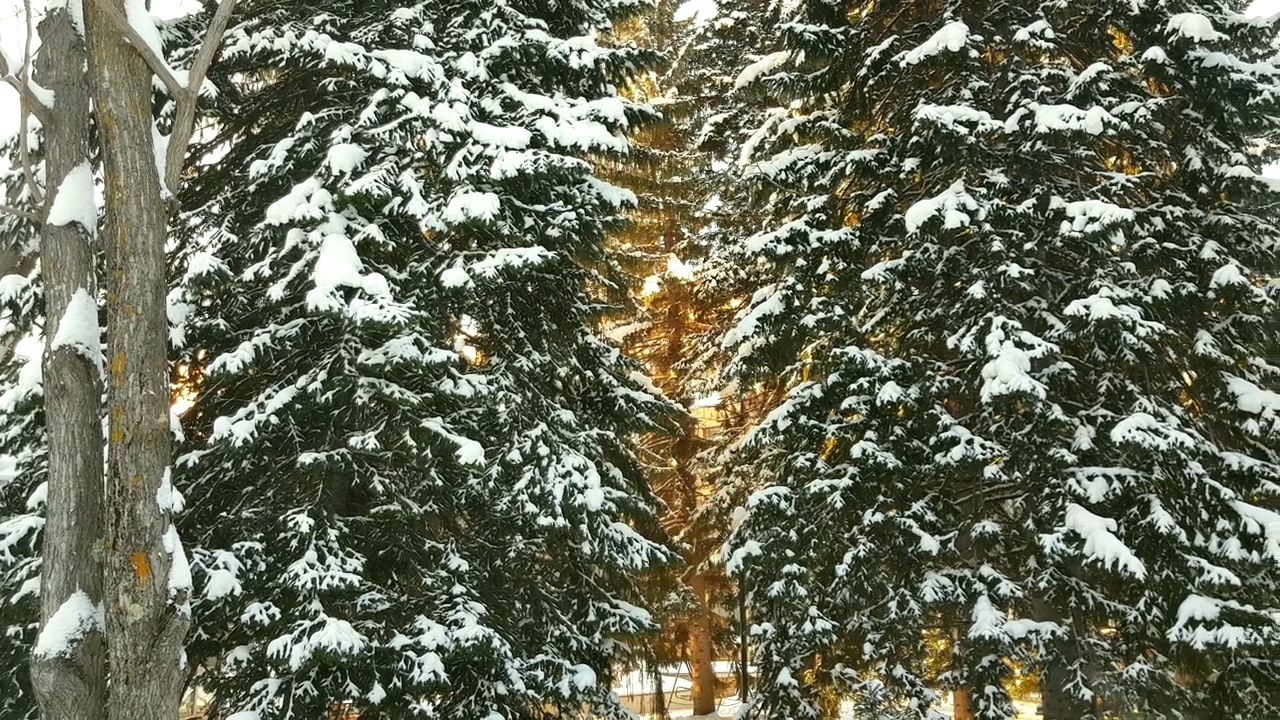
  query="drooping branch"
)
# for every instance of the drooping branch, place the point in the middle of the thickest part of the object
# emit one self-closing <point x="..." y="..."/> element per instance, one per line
<point x="184" y="121"/>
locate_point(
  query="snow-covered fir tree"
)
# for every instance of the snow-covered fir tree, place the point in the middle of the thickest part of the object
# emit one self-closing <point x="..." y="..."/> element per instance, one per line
<point x="409" y="468"/>
<point x="1013" y="283"/>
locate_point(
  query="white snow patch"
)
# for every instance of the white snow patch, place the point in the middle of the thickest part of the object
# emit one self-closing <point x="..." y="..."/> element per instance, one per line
<point x="168" y="499"/>
<point x="140" y="20"/>
<point x="223" y="576"/>
<point x="1066" y="117"/>
<point x="38" y="497"/>
<point x="1193" y="26"/>
<point x="700" y="12"/>
<point x="1261" y="521"/>
<point x="160" y="152"/>
<point x="584" y="678"/>
<point x="1144" y="429"/>
<point x="346" y="157"/>
<point x="74" y="619"/>
<point x="1255" y="400"/>
<point x="454" y="277"/>
<point x="1089" y="216"/>
<point x="753" y="72"/>
<point x="339" y="264"/>
<point x="1228" y="275"/>
<point x="30" y="382"/>
<point x="78" y="329"/>
<point x="951" y="37"/>
<point x="74" y="201"/>
<point x="336" y="636"/>
<point x="988" y="621"/>
<point x="1101" y="542"/>
<point x="954" y="205"/>
<point x="467" y="206"/>
<point x="376" y="285"/>
<point x="513" y="138"/>
<point x="180" y="569"/>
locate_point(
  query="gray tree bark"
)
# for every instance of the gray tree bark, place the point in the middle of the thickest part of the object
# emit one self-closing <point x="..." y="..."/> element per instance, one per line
<point x="69" y="685"/>
<point x="146" y="626"/>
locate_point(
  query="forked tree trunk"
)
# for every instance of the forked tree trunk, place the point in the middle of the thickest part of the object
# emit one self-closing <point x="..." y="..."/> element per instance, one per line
<point x="145" y="627"/>
<point x="68" y="673"/>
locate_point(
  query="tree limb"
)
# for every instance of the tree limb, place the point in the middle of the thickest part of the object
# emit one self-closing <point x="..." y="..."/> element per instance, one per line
<point x="24" y="111"/>
<point x="36" y="107"/>
<point x="154" y="61"/>
<point x="184" y="120"/>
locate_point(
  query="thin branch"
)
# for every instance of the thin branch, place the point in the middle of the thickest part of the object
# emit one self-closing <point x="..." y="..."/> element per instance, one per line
<point x="24" y="111"/>
<point x="19" y="212"/>
<point x="148" y="53"/>
<point x="184" y="120"/>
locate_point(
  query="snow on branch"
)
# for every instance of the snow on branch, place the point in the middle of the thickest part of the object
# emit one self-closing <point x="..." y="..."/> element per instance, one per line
<point x="38" y="103"/>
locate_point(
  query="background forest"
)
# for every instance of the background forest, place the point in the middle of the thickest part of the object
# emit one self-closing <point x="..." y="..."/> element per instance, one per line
<point x="898" y="359"/>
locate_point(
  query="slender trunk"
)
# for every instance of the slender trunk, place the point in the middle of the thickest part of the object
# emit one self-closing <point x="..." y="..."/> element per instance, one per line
<point x="69" y="678"/>
<point x="961" y="707"/>
<point x="146" y="612"/>
<point x="701" y="670"/>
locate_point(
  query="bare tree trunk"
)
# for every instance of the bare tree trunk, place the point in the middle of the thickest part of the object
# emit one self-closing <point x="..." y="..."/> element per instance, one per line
<point x="69" y="672"/>
<point x="146" y="622"/>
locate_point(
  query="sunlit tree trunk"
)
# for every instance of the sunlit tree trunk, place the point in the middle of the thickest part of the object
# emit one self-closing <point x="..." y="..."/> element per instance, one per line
<point x="701" y="670"/>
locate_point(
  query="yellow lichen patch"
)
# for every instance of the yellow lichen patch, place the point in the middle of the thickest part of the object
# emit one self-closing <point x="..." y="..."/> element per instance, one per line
<point x="117" y="429"/>
<point x="117" y="366"/>
<point x="136" y="480"/>
<point x="141" y="566"/>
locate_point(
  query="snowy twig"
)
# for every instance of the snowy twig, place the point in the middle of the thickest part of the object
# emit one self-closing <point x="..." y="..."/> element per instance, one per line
<point x="24" y="214"/>
<point x="184" y="120"/>
<point x="154" y="61"/>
